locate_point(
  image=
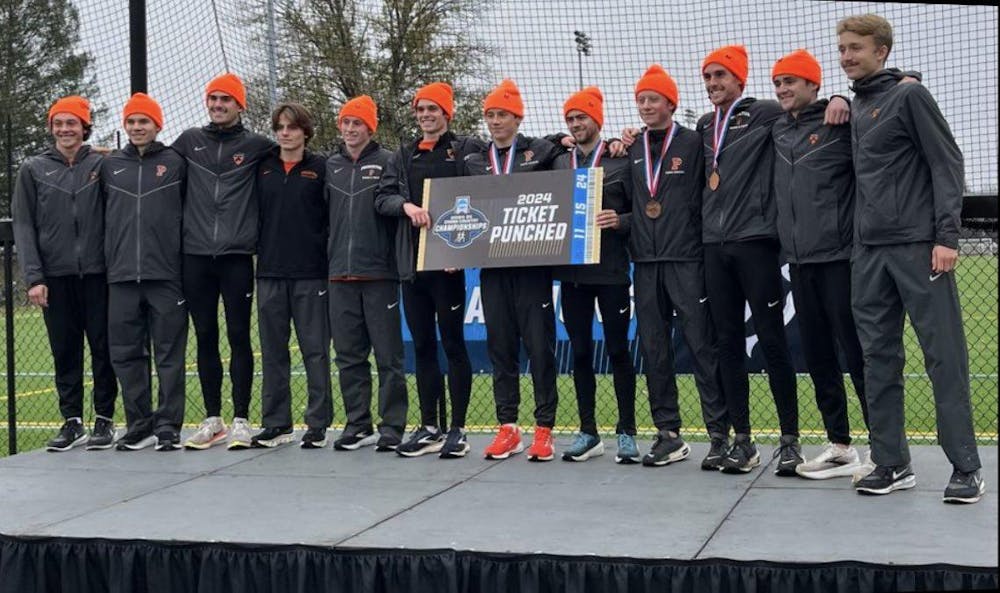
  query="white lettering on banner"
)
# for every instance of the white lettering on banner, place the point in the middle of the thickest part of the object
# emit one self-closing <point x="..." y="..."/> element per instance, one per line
<point x="529" y="214"/>
<point x="553" y="231"/>
<point x="474" y="312"/>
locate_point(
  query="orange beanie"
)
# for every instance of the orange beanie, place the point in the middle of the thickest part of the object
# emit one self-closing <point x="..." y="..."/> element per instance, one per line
<point x="798" y="63"/>
<point x="363" y="108"/>
<point x="505" y="96"/>
<point x="733" y="58"/>
<point x="146" y="105"/>
<point x="231" y="85"/>
<point x="657" y="80"/>
<point x="441" y="94"/>
<point x="590" y="101"/>
<point x="73" y="105"/>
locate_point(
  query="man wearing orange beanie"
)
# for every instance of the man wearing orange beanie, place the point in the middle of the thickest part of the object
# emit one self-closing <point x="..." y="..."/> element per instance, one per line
<point x="58" y="211"/>
<point x="220" y="238"/>
<point x="814" y="196"/>
<point x="606" y="283"/>
<point x="364" y="283"/>
<point x="433" y="301"/>
<point x="517" y="302"/>
<point x="143" y="252"/>
<point x="665" y="243"/>
<point x="741" y="252"/>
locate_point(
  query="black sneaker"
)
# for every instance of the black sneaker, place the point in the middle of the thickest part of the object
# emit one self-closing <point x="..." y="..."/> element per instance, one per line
<point x="355" y="440"/>
<point x="964" y="488"/>
<point x="667" y="448"/>
<point x="70" y="435"/>
<point x="103" y="436"/>
<point x="716" y="453"/>
<point x="886" y="478"/>
<point x="742" y="456"/>
<point x="136" y="439"/>
<point x="422" y="441"/>
<point x="789" y="454"/>
<point x="168" y="439"/>
<point x="314" y="438"/>
<point x="272" y="437"/>
<point x="455" y="444"/>
<point x="387" y="442"/>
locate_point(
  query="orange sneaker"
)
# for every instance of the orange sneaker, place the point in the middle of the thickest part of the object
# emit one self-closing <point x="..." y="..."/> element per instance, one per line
<point x="541" y="448"/>
<point x="506" y="443"/>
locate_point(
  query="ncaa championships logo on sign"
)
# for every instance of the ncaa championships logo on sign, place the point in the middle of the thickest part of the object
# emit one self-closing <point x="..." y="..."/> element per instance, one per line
<point x="461" y="225"/>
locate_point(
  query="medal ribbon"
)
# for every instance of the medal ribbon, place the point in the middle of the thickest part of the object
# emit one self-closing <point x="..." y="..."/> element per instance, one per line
<point x="508" y="164"/>
<point x="595" y="158"/>
<point x="653" y="173"/>
<point x="719" y="132"/>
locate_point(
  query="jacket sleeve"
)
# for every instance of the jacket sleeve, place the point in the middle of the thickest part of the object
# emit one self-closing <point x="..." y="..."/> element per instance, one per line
<point x="625" y="216"/>
<point x="937" y="144"/>
<point x="25" y="229"/>
<point x="392" y="192"/>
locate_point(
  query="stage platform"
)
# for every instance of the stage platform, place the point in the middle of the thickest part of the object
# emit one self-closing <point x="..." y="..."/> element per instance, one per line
<point x="289" y="520"/>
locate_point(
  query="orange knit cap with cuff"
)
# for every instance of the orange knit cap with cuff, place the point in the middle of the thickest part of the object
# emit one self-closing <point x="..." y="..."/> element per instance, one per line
<point x="799" y="63"/>
<point x="441" y="94"/>
<point x="363" y="108"/>
<point x="141" y="103"/>
<point x="505" y="96"/>
<point x="229" y="84"/>
<point x="74" y="105"/>
<point x="657" y="80"/>
<point x="733" y="58"/>
<point x="590" y="100"/>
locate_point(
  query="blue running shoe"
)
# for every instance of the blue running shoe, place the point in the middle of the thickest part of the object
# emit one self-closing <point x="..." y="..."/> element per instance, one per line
<point x="628" y="452"/>
<point x="584" y="447"/>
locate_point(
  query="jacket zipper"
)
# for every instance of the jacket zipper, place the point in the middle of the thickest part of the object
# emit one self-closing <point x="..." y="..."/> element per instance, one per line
<point x="76" y="224"/>
<point x="791" y="195"/>
<point x="215" y="223"/>
<point x="138" y="227"/>
<point x="350" y="218"/>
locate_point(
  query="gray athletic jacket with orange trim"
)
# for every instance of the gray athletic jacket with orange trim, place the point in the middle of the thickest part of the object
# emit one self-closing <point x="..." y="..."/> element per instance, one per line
<point x="145" y="197"/>
<point x="220" y="209"/>
<point x="742" y="208"/>
<point x="58" y="211"/>
<point x="909" y="168"/>
<point x="813" y="186"/>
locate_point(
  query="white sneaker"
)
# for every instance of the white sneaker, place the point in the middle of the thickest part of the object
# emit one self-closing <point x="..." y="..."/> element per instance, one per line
<point x="866" y="467"/>
<point x="239" y="434"/>
<point x="210" y="432"/>
<point x="835" y="461"/>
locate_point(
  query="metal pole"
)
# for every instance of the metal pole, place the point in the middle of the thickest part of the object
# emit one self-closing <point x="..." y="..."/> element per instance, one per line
<point x="8" y="293"/>
<point x="272" y="60"/>
<point x="137" y="45"/>
<point x="579" y="55"/>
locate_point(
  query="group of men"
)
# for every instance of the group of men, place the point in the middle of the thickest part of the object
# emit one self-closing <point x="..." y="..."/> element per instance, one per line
<point x="863" y="201"/>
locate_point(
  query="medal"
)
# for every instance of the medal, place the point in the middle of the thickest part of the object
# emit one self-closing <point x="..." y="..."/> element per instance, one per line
<point x="653" y="209"/>
<point x="718" y="140"/>
<point x="508" y="164"/>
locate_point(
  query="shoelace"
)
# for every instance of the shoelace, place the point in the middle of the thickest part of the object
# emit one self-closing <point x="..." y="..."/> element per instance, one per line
<point x="626" y="443"/>
<point x="782" y="448"/>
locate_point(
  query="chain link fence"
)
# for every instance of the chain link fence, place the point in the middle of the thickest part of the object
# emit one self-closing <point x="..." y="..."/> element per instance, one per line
<point x="190" y="41"/>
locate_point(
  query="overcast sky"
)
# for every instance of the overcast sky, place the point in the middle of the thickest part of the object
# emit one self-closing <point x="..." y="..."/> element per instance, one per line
<point x="955" y="47"/>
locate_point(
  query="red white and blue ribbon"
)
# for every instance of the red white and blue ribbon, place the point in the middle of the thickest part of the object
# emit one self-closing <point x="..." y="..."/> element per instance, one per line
<point x="595" y="158"/>
<point x="719" y="132"/>
<point x="508" y="165"/>
<point x="653" y="171"/>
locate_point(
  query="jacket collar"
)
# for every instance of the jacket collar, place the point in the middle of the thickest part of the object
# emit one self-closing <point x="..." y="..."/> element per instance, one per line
<point x="877" y="82"/>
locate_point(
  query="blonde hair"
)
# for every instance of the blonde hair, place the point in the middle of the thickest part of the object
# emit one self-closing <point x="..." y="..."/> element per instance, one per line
<point x="869" y="25"/>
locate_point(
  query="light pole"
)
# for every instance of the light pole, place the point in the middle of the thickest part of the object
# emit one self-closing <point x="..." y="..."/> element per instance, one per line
<point x="582" y="49"/>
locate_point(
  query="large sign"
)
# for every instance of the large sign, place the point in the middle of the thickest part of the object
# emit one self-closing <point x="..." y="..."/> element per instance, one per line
<point x="501" y="221"/>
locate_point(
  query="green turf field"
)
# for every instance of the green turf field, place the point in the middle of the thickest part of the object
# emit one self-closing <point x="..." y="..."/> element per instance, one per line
<point x="38" y="415"/>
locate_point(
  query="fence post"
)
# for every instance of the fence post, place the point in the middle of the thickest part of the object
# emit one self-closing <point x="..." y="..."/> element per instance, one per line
<point x="7" y="241"/>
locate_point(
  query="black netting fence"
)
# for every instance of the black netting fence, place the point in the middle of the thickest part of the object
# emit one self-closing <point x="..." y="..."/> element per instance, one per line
<point x="321" y="52"/>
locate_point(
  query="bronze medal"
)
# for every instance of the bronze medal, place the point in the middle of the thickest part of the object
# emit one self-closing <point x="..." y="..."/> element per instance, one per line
<point x="653" y="209"/>
<point x="713" y="180"/>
